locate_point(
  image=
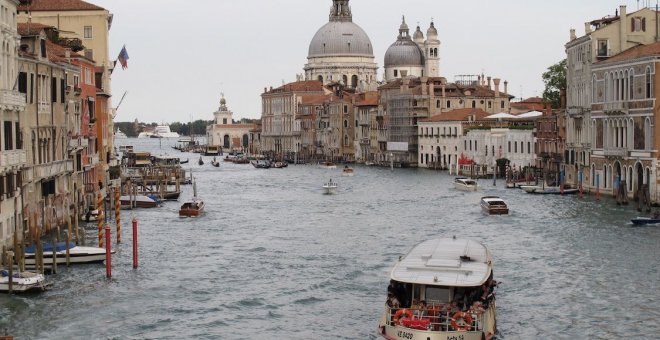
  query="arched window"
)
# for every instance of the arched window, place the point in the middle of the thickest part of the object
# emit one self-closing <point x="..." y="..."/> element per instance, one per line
<point x="246" y="141"/>
<point x="344" y="78"/>
<point x="474" y="104"/>
<point x="627" y="85"/>
<point x="448" y="104"/>
<point x="346" y="140"/>
<point x="354" y="81"/>
<point x="226" y="142"/>
<point x="320" y="78"/>
<point x="631" y="85"/>
<point x="346" y="123"/>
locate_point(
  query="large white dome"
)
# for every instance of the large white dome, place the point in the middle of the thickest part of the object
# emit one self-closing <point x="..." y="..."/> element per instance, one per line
<point x="340" y="38"/>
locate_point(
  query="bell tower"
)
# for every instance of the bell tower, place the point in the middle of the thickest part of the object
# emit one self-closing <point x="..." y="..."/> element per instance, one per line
<point x="431" y="49"/>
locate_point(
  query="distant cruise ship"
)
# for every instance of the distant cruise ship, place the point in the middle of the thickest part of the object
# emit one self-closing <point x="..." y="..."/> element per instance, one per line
<point x="161" y="131"/>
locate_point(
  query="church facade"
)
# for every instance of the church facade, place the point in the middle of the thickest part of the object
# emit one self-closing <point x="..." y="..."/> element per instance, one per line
<point x="224" y="133"/>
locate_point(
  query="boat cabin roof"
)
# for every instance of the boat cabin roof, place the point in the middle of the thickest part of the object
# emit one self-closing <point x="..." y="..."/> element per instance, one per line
<point x="445" y="262"/>
<point x="489" y="199"/>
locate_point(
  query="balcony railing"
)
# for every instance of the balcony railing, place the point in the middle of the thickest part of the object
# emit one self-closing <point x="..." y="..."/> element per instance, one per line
<point x="615" y="152"/>
<point x="615" y="107"/>
<point x="52" y="169"/>
<point x="44" y="107"/>
<point x="13" y="158"/>
<point x="12" y="99"/>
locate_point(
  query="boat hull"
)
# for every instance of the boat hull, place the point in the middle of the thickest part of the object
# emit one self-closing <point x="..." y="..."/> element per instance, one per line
<point x="329" y="189"/>
<point x="77" y="255"/>
<point x="28" y="282"/>
<point x="494" y="211"/>
<point x="463" y="187"/>
<point x="645" y="221"/>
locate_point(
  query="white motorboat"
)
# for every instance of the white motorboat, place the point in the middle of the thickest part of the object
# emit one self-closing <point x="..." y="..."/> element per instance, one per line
<point x="347" y="171"/>
<point x="454" y="279"/>
<point x="548" y="190"/>
<point x="466" y="184"/>
<point x="493" y="205"/>
<point x="22" y="282"/>
<point x="327" y="165"/>
<point x="330" y="187"/>
<point x="77" y="254"/>
<point x="163" y="131"/>
<point x="120" y="134"/>
<point x="139" y="201"/>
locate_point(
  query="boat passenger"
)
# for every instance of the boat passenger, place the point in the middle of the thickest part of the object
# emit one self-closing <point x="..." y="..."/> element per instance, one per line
<point x="421" y="312"/>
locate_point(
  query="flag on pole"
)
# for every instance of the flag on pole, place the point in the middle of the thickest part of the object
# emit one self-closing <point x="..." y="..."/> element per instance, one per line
<point x="123" y="58"/>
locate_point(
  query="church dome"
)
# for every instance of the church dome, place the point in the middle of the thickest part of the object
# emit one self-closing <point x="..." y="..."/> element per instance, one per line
<point x="404" y="52"/>
<point x="340" y="38"/>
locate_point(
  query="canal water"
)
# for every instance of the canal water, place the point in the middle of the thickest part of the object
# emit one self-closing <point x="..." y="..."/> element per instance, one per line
<point x="274" y="258"/>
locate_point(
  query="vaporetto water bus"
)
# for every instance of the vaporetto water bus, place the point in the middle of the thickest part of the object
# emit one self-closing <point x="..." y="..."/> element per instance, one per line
<point x="442" y="289"/>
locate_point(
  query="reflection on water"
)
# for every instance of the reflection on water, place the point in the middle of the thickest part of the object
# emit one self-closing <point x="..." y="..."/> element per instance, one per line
<point x="275" y="258"/>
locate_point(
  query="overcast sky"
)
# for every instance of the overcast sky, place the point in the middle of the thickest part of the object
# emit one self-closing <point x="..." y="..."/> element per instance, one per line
<point x="184" y="54"/>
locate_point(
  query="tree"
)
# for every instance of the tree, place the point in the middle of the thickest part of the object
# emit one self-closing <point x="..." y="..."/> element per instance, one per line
<point x="555" y="81"/>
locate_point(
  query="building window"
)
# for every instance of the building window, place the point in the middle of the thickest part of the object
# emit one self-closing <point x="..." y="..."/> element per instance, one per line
<point x="88" y="32"/>
<point x="631" y="84"/>
<point x="501" y="104"/>
<point x="437" y="104"/>
<point x="224" y="121"/>
<point x="396" y="73"/>
<point x="9" y="138"/>
<point x="602" y="48"/>
<point x="509" y="146"/>
<point x="490" y="104"/>
<point x="474" y="104"/>
<point x="638" y="24"/>
<point x="448" y="104"/>
<point x="529" y="147"/>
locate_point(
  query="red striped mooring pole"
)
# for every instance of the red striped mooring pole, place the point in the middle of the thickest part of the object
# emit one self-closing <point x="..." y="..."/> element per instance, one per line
<point x="135" y="242"/>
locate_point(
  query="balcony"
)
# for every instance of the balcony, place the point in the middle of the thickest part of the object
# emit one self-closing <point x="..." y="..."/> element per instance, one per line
<point x="363" y="122"/>
<point x="365" y="141"/>
<point x="12" y="100"/>
<point x="43" y="107"/>
<point x="576" y="110"/>
<point x="615" y="107"/>
<point x="615" y="152"/>
<point x="13" y="158"/>
<point x="93" y="159"/>
<point x="52" y="169"/>
<point x="382" y="136"/>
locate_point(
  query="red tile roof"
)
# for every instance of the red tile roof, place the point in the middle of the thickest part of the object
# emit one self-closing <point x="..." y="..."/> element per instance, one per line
<point x="314" y="99"/>
<point x="634" y="53"/>
<point x="458" y="115"/>
<point x="299" y="86"/>
<point x="57" y="5"/>
<point x="32" y="29"/>
<point x="367" y="99"/>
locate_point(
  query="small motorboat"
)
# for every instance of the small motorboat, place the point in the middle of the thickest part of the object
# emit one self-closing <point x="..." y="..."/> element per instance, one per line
<point x="22" y="282"/>
<point x="548" y="190"/>
<point x="201" y="161"/>
<point x="369" y="163"/>
<point x="330" y="187"/>
<point x="184" y="162"/>
<point x="327" y="165"/>
<point x="215" y="163"/>
<point x="347" y="171"/>
<point x="280" y="165"/>
<point x="77" y="254"/>
<point x="91" y="215"/>
<point x="194" y="207"/>
<point x="261" y="164"/>
<point x="646" y="220"/>
<point x="465" y="184"/>
<point x="494" y="205"/>
<point x="139" y="201"/>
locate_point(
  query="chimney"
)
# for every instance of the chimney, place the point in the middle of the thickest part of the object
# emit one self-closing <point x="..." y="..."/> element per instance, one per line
<point x="506" y="88"/>
<point x="496" y="82"/>
<point x="478" y="80"/>
<point x="587" y="28"/>
<point x="489" y="82"/>
<point x="623" y="28"/>
<point x="573" y="37"/>
<point x="265" y="89"/>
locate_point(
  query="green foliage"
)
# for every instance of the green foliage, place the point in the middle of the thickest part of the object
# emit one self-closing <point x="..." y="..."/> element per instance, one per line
<point x="115" y="172"/>
<point x="126" y="127"/>
<point x="555" y="81"/>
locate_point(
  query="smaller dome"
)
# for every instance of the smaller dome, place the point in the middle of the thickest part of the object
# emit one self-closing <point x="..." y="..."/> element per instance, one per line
<point x="432" y="31"/>
<point x="418" y="35"/>
<point x="404" y="52"/>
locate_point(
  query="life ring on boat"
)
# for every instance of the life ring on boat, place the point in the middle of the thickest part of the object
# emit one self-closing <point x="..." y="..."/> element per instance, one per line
<point x="467" y="319"/>
<point x="401" y="314"/>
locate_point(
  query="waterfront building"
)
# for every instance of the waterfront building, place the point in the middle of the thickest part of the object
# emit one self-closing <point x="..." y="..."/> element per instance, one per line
<point x="255" y="139"/>
<point x="407" y="100"/>
<point x="341" y="51"/>
<point x="335" y="132"/>
<point x="550" y="139"/>
<point x="305" y="128"/>
<point x="278" y="116"/>
<point x="626" y="87"/>
<point x="413" y="58"/>
<point x="485" y="145"/>
<point x="83" y="25"/>
<point x="440" y="136"/>
<point x="603" y="38"/>
<point x="224" y="133"/>
<point x="366" y="111"/>
<point x="12" y="106"/>
<point x="42" y="78"/>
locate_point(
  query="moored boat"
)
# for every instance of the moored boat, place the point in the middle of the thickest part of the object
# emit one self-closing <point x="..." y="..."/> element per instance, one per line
<point x="200" y="161"/>
<point x="139" y="201"/>
<point x="494" y="205"/>
<point x="261" y="164"/>
<point x="22" y="282"/>
<point x="548" y="190"/>
<point x="77" y="254"/>
<point x="465" y="184"/>
<point x="279" y="165"/>
<point x="442" y="289"/>
<point x="330" y="187"/>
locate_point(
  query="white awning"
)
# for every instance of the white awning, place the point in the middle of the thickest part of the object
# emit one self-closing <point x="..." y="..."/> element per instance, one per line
<point x="530" y="114"/>
<point x="501" y="115"/>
